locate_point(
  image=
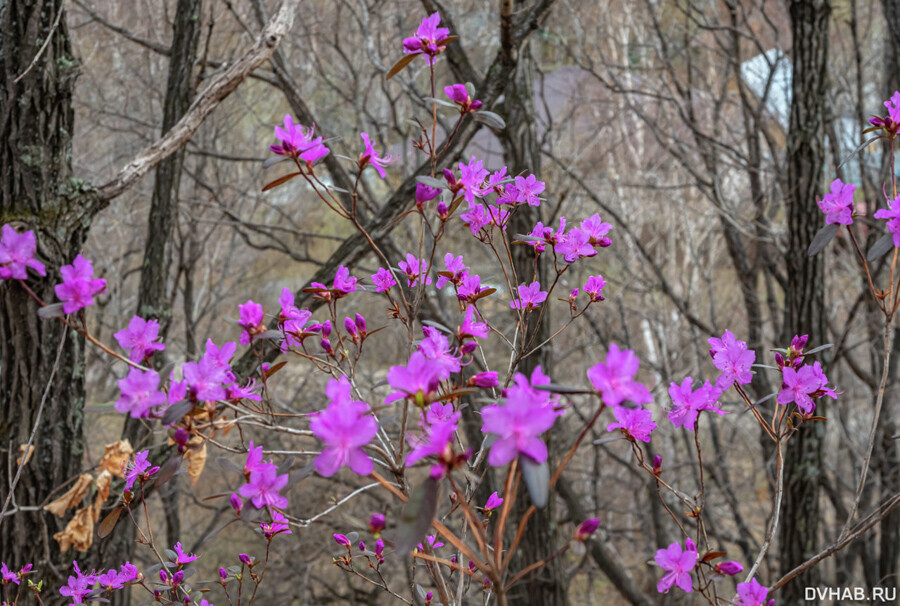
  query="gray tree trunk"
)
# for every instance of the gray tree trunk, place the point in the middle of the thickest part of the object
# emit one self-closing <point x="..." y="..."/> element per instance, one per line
<point x="805" y="301"/>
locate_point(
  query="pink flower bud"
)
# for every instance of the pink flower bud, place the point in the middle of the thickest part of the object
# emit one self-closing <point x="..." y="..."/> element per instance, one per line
<point x="729" y="568"/>
<point x="326" y="328"/>
<point x="243" y="557"/>
<point x="586" y="529"/>
<point x="379" y="547"/>
<point x="485" y="379"/>
<point x="443" y="211"/>
<point x="236" y="503"/>
<point x="494" y="501"/>
<point x="223" y="574"/>
<point x="350" y="327"/>
<point x="428" y="598"/>
<point x="657" y="465"/>
<point x="471" y="565"/>
<point x="164" y="576"/>
<point x="341" y="540"/>
<point x="424" y="193"/>
<point x="362" y="546"/>
<point x="178" y="577"/>
<point x="361" y="324"/>
<point x="326" y="345"/>
<point x="376" y="523"/>
<point x="468" y="347"/>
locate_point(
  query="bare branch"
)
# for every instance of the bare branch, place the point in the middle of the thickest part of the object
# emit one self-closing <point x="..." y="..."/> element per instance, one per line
<point x="202" y="106"/>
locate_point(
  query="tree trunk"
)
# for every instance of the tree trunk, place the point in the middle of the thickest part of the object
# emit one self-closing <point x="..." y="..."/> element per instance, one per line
<point x="887" y="451"/>
<point x="805" y="301"/>
<point x="38" y="192"/>
<point x="153" y="292"/>
<point x="522" y="153"/>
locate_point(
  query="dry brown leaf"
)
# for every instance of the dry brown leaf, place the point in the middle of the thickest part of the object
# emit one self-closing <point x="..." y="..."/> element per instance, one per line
<point x="22" y="452"/>
<point x="196" y="458"/>
<point x="79" y="532"/>
<point x="114" y="457"/>
<point x="103" y="482"/>
<point x="223" y="425"/>
<point x="73" y="497"/>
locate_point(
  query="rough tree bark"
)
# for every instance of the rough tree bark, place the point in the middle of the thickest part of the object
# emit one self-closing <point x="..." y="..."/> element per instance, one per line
<point x="888" y="450"/>
<point x="805" y="301"/>
<point x="38" y="192"/>
<point x="522" y="153"/>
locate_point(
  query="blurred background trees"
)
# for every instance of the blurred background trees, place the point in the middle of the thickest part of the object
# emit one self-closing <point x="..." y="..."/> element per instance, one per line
<point x="702" y="129"/>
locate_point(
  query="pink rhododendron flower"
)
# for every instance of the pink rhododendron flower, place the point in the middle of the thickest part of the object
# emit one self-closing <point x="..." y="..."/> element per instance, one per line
<point x="78" y="286"/>
<point x="530" y="297"/>
<point x="614" y="378"/>
<point x="263" y="487"/>
<point x="436" y="347"/>
<point x="575" y="246"/>
<point x="893" y="217"/>
<point x="733" y="358"/>
<point x="79" y="586"/>
<point x="475" y="218"/>
<point x="140" y="393"/>
<point x="416" y="380"/>
<point x="251" y="321"/>
<point x="459" y="95"/>
<point x="540" y="235"/>
<point x="596" y="230"/>
<point x="472" y="176"/>
<point x="205" y="379"/>
<point x="803" y="385"/>
<point x="128" y="572"/>
<point x="453" y="265"/>
<point x="254" y="459"/>
<point x="140" y="469"/>
<point x="893" y="107"/>
<point x="370" y="156"/>
<point x="384" y="280"/>
<point x="752" y="594"/>
<point x="525" y="415"/>
<point x="181" y="556"/>
<point x="679" y="563"/>
<point x="469" y="288"/>
<point x="429" y="40"/>
<point x="594" y="286"/>
<point x="433" y="441"/>
<point x="634" y="422"/>
<point x="17" y="254"/>
<point x="527" y="190"/>
<point x="345" y="426"/>
<point x="415" y="270"/>
<point x="687" y="403"/>
<point x="343" y="281"/>
<point x="838" y="204"/>
<point x="471" y="327"/>
<point x="278" y="525"/>
<point x="139" y="338"/>
<point x="298" y="142"/>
